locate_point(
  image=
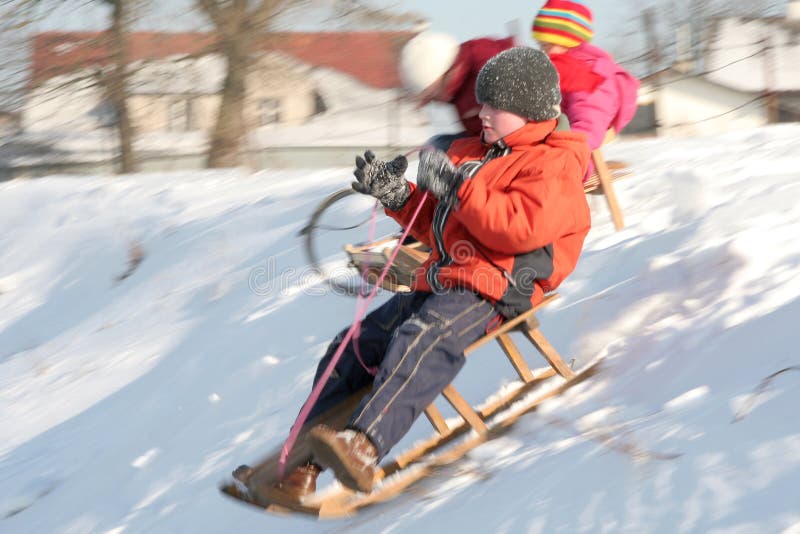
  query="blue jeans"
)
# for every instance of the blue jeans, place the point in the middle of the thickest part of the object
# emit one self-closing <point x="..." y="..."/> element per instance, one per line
<point x="417" y="341"/>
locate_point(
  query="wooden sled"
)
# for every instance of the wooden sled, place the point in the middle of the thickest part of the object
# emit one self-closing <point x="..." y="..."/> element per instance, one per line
<point x="450" y="441"/>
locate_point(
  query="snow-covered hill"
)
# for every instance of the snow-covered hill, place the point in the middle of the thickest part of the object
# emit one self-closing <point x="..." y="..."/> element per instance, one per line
<point x="157" y="330"/>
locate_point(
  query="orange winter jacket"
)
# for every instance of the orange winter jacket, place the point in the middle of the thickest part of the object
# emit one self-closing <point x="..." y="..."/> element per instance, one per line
<point x="518" y="227"/>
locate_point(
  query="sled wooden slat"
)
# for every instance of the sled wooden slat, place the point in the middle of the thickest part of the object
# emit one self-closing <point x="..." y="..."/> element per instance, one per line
<point x="515" y="323"/>
<point x="487" y="410"/>
<point x="515" y="357"/>
<point x="464" y="409"/>
<point x="342" y="507"/>
<point x="528" y="325"/>
<point x="616" y="169"/>
<point x="608" y="189"/>
<point x="343" y="502"/>
<point x="436" y="420"/>
<point x="549" y="352"/>
<point x="374" y="259"/>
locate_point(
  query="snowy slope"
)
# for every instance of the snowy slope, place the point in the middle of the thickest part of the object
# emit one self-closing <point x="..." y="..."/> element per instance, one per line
<point x="128" y="391"/>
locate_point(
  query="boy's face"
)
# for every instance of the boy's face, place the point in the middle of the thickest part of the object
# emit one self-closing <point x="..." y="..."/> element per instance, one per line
<point x="498" y="123"/>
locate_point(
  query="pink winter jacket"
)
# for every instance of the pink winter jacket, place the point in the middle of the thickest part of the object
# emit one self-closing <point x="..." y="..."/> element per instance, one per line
<point x="611" y="105"/>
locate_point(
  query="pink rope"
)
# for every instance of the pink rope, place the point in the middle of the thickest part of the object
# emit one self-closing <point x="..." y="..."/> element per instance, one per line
<point x="360" y="301"/>
<point x="317" y="390"/>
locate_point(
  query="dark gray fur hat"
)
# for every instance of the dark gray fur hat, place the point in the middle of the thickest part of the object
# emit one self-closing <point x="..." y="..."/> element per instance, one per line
<point x="521" y="80"/>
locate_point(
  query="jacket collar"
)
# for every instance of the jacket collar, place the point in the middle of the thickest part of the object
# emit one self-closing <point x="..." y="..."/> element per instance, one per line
<point x="531" y="133"/>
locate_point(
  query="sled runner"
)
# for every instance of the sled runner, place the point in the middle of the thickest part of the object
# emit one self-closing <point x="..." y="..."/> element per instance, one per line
<point x="450" y="441"/>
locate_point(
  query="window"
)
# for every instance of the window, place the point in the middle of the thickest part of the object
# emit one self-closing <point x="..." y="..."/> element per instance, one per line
<point x="269" y="111"/>
<point x="180" y="115"/>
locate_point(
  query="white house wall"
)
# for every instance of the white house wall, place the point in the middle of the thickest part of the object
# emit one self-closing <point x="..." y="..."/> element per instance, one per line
<point x="274" y="76"/>
<point x="62" y="103"/>
<point x="204" y="111"/>
<point x="356" y="115"/>
<point x="752" y="55"/>
<point x="150" y="113"/>
<point x="692" y="107"/>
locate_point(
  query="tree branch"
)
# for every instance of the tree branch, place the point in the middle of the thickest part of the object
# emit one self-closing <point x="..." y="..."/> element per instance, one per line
<point x="266" y="11"/>
<point x="213" y="11"/>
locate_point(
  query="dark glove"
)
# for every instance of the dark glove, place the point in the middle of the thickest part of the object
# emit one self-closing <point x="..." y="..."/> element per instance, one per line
<point x="383" y="180"/>
<point x="437" y="174"/>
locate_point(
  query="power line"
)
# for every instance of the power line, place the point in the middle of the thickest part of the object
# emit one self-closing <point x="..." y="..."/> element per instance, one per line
<point x="763" y="50"/>
<point x="737" y="108"/>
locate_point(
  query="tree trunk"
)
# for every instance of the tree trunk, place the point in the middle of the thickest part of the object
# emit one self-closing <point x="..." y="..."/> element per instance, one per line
<point x="117" y="87"/>
<point x="226" y="140"/>
<point x="238" y="23"/>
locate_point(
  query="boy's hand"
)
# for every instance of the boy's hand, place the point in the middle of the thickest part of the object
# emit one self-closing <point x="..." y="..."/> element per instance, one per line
<point x="383" y="180"/>
<point x="437" y="174"/>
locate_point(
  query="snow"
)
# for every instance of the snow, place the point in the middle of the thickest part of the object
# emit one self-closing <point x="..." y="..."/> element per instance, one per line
<point x="129" y="390"/>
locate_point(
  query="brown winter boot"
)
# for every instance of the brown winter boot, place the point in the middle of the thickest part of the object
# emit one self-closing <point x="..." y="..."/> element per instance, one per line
<point x="299" y="483"/>
<point x="351" y="455"/>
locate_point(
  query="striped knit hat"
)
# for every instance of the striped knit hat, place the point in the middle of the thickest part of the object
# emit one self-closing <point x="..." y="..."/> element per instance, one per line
<point x="563" y="23"/>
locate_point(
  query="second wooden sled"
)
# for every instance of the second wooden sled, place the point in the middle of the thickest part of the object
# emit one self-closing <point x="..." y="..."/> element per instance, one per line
<point x="601" y="181"/>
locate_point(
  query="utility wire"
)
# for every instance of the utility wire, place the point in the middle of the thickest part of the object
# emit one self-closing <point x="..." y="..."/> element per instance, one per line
<point x="737" y="108"/>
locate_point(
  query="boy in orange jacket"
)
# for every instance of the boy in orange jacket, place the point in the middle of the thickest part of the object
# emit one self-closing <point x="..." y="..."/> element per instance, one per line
<point x="505" y="217"/>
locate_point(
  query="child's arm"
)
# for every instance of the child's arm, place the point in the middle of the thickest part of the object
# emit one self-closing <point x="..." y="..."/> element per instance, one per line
<point x="529" y="214"/>
<point x="421" y="228"/>
<point x="592" y="113"/>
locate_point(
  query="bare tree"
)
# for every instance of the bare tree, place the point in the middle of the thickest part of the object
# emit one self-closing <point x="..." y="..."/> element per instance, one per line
<point x="114" y="81"/>
<point x="241" y="24"/>
<point x="117" y="82"/>
<point x="360" y="14"/>
<point x="692" y="19"/>
<point x="16" y="19"/>
<point x="237" y="23"/>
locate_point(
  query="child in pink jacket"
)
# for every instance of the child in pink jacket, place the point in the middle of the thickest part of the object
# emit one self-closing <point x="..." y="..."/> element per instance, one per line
<point x="597" y="94"/>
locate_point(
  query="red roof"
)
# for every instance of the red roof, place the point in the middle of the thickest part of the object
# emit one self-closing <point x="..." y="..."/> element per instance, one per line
<point x="370" y="57"/>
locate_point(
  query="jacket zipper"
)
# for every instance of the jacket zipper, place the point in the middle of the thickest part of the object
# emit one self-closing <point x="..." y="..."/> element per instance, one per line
<point x="440" y="216"/>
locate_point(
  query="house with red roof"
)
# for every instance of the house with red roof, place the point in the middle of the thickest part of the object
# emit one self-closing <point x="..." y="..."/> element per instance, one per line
<point x="303" y="87"/>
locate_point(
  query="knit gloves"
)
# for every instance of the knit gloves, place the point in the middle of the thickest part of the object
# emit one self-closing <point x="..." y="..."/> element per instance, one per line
<point x="437" y="174"/>
<point x="383" y="180"/>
